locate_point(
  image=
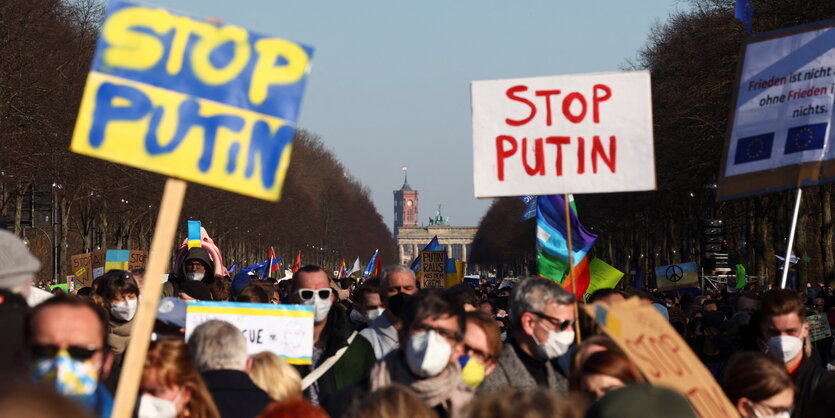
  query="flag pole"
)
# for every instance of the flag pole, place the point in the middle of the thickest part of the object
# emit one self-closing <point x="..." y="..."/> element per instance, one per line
<point x="787" y="261"/>
<point x="571" y="268"/>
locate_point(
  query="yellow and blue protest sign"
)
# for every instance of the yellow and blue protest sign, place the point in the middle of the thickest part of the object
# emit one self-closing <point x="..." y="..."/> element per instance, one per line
<point x="286" y="330"/>
<point x="207" y="102"/>
<point x="194" y="236"/>
<point x="116" y="260"/>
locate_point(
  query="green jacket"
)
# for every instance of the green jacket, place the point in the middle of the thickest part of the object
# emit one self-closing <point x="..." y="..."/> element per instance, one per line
<point x="353" y="367"/>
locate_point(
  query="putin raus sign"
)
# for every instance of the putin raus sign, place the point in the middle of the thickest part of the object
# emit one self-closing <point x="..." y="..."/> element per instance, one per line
<point x="587" y="133"/>
<point x="781" y="126"/>
<point x="432" y="269"/>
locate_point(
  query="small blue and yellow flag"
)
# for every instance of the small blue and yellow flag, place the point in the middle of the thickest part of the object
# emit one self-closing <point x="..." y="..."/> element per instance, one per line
<point x="194" y="238"/>
<point x="116" y="260"/>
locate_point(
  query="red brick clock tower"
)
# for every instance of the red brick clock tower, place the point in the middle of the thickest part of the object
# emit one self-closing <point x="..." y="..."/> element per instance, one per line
<point x="405" y="205"/>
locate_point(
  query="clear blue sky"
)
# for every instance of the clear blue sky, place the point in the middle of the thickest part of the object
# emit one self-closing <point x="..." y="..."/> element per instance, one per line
<point x="390" y="79"/>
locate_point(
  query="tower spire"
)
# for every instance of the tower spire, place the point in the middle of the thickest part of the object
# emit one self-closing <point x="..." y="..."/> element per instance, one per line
<point x="405" y="175"/>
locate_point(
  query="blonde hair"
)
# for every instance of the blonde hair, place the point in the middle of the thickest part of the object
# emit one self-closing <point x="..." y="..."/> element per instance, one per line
<point x="174" y="366"/>
<point x="272" y="374"/>
<point x="392" y="401"/>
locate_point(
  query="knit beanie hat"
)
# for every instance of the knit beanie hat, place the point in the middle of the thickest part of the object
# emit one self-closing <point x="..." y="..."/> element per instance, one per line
<point x="17" y="264"/>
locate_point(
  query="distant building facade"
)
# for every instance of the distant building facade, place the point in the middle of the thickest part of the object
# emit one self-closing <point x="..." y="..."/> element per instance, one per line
<point x="411" y="237"/>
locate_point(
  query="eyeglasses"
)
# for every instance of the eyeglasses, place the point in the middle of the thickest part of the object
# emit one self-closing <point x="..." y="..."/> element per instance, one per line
<point x="75" y="351"/>
<point x="560" y="324"/>
<point x="307" y="294"/>
<point x="443" y="332"/>
<point x="481" y="354"/>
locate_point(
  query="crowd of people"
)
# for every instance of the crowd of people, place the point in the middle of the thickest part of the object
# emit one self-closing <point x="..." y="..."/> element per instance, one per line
<point x="383" y="347"/>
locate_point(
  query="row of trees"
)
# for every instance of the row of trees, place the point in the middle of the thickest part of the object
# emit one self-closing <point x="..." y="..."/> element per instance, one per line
<point x="693" y="59"/>
<point x="47" y="49"/>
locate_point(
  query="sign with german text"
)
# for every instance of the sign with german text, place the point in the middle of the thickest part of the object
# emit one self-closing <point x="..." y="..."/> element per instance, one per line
<point x="661" y="354"/>
<point x="585" y="133"/>
<point x="198" y="100"/>
<point x="82" y="267"/>
<point x="286" y="330"/>
<point x="780" y="130"/>
<point x="137" y="260"/>
<point x="433" y="269"/>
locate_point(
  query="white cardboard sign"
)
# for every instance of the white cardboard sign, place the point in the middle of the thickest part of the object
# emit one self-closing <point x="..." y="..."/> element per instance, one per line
<point x="286" y="330"/>
<point x="586" y="133"/>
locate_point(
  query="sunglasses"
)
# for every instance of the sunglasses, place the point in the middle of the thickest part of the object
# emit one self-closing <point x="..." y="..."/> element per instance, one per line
<point x="75" y="351"/>
<point x="307" y="294"/>
<point x="559" y="324"/>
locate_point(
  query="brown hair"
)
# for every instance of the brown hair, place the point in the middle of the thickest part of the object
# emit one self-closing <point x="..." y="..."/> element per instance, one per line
<point x="220" y="288"/>
<point x="392" y="401"/>
<point x="599" y="340"/>
<point x="516" y="403"/>
<point x="272" y="374"/>
<point x="117" y="282"/>
<point x="614" y="364"/>
<point x="778" y="302"/>
<point x="755" y="376"/>
<point x="253" y="293"/>
<point x="488" y="324"/>
<point x="293" y="408"/>
<point x="173" y="363"/>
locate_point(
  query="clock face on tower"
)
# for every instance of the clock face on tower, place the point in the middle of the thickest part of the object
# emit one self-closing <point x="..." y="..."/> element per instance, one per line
<point x="409" y="203"/>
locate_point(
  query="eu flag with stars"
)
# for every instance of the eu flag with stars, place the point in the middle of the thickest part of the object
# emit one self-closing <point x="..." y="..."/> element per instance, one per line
<point x="805" y="138"/>
<point x="753" y="148"/>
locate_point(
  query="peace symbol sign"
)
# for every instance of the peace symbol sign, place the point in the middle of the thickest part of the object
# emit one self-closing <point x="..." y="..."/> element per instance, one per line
<point x="674" y="273"/>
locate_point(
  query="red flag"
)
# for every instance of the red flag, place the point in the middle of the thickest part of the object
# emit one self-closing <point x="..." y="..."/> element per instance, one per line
<point x="377" y="268"/>
<point x="273" y="267"/>
<point x="580" y="274"/>
<point x="298" y="263"/>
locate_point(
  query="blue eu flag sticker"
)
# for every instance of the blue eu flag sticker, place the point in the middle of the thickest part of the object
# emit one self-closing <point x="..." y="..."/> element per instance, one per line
<point x="753" y="148"/>
<point x="805" y="138"/>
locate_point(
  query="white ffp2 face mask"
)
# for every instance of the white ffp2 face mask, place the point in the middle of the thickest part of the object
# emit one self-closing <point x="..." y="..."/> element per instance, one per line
<point x="372" y="315"/>
<point x="427" y="353"/>
<point x="557" y="344"/>
<point x="784" y="347"/>
<point x="321" y="307"/>
<point x="194" y="276"/>
<point x="125" y="310"/>
<point x="153" y="407"/>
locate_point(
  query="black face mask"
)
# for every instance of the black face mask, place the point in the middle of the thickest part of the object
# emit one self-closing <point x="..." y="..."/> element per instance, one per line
<point x="501" y="302"/>
<point x="395" y="303"/>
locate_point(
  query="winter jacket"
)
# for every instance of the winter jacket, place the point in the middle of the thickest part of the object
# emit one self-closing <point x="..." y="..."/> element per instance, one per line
<point x="511" y="372"/>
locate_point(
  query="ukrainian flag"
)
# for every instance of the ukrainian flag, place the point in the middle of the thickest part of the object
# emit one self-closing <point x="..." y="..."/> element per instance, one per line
<point x="194" y="237"/>
<point x="753" y="148"/>
<point x="806" y="137"/>
<point x="116" y="260"/>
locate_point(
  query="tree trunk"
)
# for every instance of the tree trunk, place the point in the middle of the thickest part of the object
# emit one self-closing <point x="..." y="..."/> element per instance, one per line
<point x="63" y="261"/>
<point x="18" y="209"/>
<point x="827" y="234"/>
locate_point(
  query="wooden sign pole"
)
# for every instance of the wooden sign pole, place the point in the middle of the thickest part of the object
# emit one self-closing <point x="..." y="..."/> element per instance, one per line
<point x="571" y="277"/>
<point x="134" y="363"/>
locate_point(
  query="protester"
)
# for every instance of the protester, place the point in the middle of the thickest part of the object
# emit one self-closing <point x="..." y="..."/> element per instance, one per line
<point x="13" y="311"/>
<point x="341" y="357"/>
<point x="786" y="336"/>
<point x="392" y="401"/>
<point x="120" y="292"/>
<point x="170" y="319"/>
<point x="197" y="266"/>
<point x="220" y="289"/>
<point x="481" y="348"/>
<point x="138" y="276"/>
<point x="606" y="296"/>
<point x="293" y="408"/>
<point x="71" y="354"/>
<point x="367" y="304"/>
<point x="382" y="332"/>
<point x="713" y="346"/>
<point x="432" y="328"/>
<point x="605" y="371"/>
<point x="542" y="319"/>
<point x="279" y="379"/>
<point x="758" y="385"/>
<point x="17" y="266"/>
<point x="219" y="352"/>
<point x="171" y="386"/>
<point x="252" y="293"/>
<point x="531" y="403"/>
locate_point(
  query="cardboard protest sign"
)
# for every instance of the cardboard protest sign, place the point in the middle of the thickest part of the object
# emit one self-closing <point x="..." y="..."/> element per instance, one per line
<point x="661" y="354"/>
<point x="286" y="330"/>
<point x="97" y="260"/>
<point x="201" y="101"/>
<point x="780" y="130"/>
<point x="432" y="269"/>
<point x="137" y="260"/>
<point x="82" y="267"/>
<point x="676" y="276"/>
<point x="818" y="327"/>
<point x="586" y="133"/>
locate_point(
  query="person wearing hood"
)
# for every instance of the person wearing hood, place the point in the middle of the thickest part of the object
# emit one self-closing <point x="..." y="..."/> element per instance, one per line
<point x="197" y="266"/>
<point x="785" y="333"/>
<point x="542" y="329"/>
<point x="431" y="335"/>
<point x="341" y="357"/>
